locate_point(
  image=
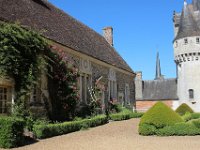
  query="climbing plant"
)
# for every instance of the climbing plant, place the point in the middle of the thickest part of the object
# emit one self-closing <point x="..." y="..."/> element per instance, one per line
<point x="23" y="54"/>
<point x="21" y="57"/>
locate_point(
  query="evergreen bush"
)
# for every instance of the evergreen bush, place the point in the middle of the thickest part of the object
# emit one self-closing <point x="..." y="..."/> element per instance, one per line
<point x="179" y="129"/>
<point x="125" y="115"/>
<point x="190" y="116"/>
<point x="196" y="122"/>
<point x="49" y="130"/>
<point x="184" y="108"/>
<point x="146" y="129"/>
<point x="11" y="132"/>
<point x="160" y="115"/>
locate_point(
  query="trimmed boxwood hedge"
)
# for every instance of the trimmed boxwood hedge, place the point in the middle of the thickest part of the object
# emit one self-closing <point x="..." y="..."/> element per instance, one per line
<point x="160" y="115"/>
<point x="50" y="130"/>
<point x="191" y="116"/>
<point x="184" y="108"/>
<point x="179" y="129"/>
<point x="125" y="115"/>
<point x="157" y="117"/>
<point x="11" y="132"/>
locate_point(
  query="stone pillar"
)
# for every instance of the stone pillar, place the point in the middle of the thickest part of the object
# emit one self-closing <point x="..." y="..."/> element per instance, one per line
<point x="138" y="86"/>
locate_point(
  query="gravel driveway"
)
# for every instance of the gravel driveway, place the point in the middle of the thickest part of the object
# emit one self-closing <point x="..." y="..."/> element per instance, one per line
<point x="115" y="136"/>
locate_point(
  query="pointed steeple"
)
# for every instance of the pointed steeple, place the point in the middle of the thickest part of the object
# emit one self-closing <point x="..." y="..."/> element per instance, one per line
<point x="159" y="76"/>
<point x="188" y="24"/>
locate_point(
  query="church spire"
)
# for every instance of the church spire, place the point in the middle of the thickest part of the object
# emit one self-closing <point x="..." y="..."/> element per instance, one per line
<point x="159" y="76"/>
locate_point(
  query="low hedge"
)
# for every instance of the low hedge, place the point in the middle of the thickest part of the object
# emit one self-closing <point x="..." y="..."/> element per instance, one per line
<point x="146" y="129"/>
<point x="44" y="131"/>
<point x="183" y="109"/>
<point x="191" y="116"/>
<point x="125" y="115"/>
<point x="196" y="122"/>
<point x="179" y="129"/>
<point x="11" y="132"/>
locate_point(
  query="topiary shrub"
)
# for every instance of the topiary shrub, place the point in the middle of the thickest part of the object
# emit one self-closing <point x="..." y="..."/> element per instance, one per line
<point x="146" y="129"/>
<point x="159" y="116"/>
<point x="179" y="129"/>
<point x="184" y="108"/>
<point x="188" y="116"/>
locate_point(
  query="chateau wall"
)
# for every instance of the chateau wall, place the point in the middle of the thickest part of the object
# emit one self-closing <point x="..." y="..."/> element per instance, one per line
<point x="122" y="80"/>
<point x="99" y="69"/>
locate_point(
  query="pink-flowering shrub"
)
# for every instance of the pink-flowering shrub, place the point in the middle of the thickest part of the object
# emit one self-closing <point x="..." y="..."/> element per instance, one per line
<point x="63" y="76"/>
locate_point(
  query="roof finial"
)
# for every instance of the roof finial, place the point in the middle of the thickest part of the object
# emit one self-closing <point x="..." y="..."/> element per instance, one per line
<point x="159" y="76"/>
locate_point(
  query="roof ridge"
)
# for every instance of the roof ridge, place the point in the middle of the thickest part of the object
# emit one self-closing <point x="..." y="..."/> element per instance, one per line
<point x="61" y="28"/>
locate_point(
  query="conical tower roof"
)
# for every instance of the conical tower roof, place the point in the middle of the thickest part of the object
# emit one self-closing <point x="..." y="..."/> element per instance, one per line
<point x="196" y="4"/>
<point x="188" y="24"/>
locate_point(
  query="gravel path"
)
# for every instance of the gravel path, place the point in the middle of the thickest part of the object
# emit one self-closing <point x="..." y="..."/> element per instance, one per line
<point x="114" y="136"/>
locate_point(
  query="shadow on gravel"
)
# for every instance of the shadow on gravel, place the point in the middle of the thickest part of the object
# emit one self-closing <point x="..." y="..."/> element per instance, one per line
<point x="27" y="141"/>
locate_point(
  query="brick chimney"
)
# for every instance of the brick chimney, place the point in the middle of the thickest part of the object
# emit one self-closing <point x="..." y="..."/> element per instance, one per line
<point x="108" y="35"/>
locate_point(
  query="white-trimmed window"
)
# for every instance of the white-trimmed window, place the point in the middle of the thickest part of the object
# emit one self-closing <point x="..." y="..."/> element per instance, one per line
<point x="127" y="94"/>
<point x="85" y="80"/>
<point x="5" y="100"/>
<point x="85" y="84"/>
<point x="112" y="84"/>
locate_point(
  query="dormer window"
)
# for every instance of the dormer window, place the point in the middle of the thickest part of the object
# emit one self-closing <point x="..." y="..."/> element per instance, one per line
<point x="197" y="40"/>
<point x="185" y="41"/>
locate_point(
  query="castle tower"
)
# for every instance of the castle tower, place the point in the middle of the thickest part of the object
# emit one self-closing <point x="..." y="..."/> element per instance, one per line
<point x="187" y="54"/>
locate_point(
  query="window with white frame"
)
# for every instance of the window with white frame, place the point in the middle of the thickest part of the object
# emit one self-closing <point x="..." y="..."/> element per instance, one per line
<point x="112" y="84"/>
<point x="85" y="81"/>
<point x="5" y="100"/>
<point x="127" y="94"/>
<point x="85" y="84"/>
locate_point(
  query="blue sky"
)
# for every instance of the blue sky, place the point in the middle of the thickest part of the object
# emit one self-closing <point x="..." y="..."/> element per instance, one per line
<point x="141" y="28"/>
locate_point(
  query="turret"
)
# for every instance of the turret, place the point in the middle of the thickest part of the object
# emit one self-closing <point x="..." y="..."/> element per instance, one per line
<point x="187" y="54"/>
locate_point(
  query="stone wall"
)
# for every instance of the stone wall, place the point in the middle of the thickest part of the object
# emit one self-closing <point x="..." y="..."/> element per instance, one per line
<point x="122" y="80"/>
<point x="98" y="69"/>
<point x="143" y="106"/>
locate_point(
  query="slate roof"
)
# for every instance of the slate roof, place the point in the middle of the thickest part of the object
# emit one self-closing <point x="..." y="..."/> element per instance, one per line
<point x="60" y="27"/>
<point x="165" y="89"/>
<point x="189" y="26"/>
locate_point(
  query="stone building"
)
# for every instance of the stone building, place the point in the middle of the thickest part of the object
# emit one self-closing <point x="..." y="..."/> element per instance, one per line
<point x="185" y="88"/>
<point x="93" y="54"/>
<point x="148" y="92"/>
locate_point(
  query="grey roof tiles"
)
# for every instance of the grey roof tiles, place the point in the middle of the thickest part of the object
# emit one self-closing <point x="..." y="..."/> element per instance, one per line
<point x="60" y="27"/>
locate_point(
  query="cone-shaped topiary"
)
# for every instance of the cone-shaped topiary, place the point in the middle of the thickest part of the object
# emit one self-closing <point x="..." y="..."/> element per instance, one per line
<point x="183" y="108"/>
<point x="160" y="115"/>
